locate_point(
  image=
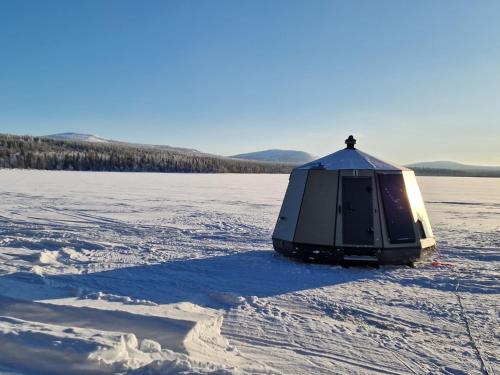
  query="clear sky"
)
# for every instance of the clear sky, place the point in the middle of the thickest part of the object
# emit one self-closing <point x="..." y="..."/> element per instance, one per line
<point x="413" y="80"/>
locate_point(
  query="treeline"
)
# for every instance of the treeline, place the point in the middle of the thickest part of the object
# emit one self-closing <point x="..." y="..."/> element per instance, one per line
<point x="455" y="173"/>
<point x="43" y="153"/>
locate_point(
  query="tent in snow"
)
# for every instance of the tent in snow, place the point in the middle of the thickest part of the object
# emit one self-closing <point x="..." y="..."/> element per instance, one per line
<point x="351" y="206"/>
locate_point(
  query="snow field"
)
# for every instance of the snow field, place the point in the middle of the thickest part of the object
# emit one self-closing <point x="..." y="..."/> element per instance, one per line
<point x="171" y="273"/>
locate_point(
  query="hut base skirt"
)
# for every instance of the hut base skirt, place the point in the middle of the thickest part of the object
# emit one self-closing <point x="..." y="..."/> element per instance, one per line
<point x="352" y="255"/>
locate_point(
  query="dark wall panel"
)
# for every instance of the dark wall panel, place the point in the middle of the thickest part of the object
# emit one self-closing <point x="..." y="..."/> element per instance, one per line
<point x="316" y="223"/>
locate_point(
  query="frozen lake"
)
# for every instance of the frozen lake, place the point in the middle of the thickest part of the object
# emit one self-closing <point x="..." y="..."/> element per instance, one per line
<point x="175" y="273"/>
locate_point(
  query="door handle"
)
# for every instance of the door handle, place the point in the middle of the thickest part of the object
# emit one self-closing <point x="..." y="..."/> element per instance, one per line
<point x="340" y="209"/>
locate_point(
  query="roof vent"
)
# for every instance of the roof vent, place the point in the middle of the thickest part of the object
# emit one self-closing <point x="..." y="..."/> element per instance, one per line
<point x="350" y="142"/>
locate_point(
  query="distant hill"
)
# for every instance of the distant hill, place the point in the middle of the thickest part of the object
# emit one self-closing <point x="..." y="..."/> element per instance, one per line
<point x="278" y="156"/>
<point x="80" y="137"/>
<point x="450" y="168"/>
<point x="88" y="154"/>
<point x="77" y="137"/>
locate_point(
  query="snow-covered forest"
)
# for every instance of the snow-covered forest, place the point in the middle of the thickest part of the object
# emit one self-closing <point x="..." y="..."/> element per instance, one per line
<point x="27" y="152"/>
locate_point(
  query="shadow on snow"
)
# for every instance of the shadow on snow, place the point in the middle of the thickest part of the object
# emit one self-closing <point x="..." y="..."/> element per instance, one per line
<point x="210" y="282"/>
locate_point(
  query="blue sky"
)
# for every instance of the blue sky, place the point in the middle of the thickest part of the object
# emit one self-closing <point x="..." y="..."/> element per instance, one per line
<point x="413" y="80"/>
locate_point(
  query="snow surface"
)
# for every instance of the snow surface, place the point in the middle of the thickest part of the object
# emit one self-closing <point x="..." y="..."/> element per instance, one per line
<point x="175" y="274"/>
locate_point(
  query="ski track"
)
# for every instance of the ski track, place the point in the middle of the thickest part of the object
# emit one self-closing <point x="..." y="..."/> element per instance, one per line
<point x="172" y="273"/>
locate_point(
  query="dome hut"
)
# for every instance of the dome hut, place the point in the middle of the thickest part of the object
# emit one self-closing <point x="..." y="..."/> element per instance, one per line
<point x="350" y="206"/>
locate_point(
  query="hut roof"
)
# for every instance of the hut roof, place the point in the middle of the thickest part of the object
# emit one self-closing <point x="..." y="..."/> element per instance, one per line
<point x="351" y="158"/>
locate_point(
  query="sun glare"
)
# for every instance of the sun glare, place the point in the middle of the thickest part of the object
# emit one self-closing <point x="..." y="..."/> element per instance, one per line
<point x="413" y="191"/>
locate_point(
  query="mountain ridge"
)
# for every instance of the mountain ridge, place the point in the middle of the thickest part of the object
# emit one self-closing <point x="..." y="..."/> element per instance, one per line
<point x="71" y="136"/>
<point x="273" y="156"/>
<point x="91" y="138"/>
<point x="277" y="156"/>
<point x="35" y="152"/>
<point x="451" y="165"/>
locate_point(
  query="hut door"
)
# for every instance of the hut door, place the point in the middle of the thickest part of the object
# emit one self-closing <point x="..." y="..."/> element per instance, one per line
<point x="357" y="211"/>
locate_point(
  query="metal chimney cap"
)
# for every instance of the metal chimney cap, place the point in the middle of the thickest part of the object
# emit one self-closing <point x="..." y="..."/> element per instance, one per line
<point x="350" y="142"/>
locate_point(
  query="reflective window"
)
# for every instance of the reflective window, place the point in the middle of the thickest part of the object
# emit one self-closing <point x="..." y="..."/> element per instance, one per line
<point x="397" y="211"/>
